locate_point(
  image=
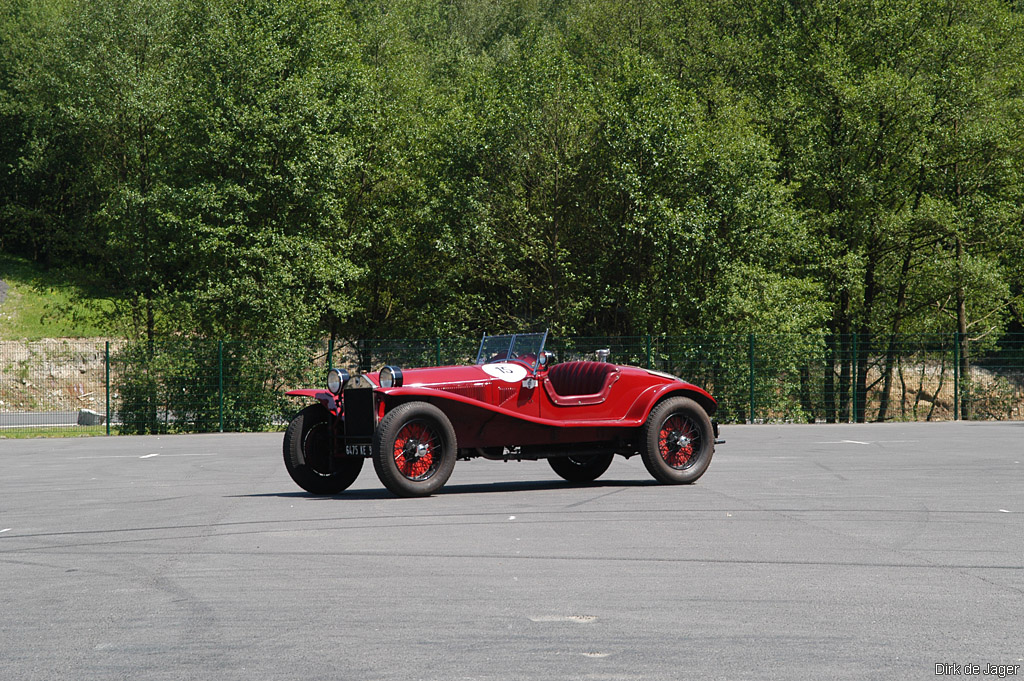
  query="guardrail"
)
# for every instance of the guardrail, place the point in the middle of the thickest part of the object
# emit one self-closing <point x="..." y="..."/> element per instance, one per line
<point x="198" y="385"/>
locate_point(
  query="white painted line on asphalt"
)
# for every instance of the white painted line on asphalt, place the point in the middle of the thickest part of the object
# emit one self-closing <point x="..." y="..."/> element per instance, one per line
<point x="133" y="456"/>
<point x="858" y="442"/>
<point x="7" y="530"/>
<point x="511" y="517"/>
<point x="1003" y="510"/>
<point x="842" y="442"/>
<point x="564" y="618"/>
<point x="148" y="456"/>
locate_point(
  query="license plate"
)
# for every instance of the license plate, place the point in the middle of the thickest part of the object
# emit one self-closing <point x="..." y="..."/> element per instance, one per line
<point x="359" y="450"/>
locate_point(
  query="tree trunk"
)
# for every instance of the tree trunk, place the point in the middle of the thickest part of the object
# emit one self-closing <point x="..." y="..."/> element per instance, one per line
<point x="806" y="405"/>
<point x="961" y="327"/>
<point x="863" y="355"/>
<point x="829" y="388"/>
<point x="864" y="341"/>
<point x="961" y="304"/>
<point x="894" y="329"/>
<point x="845" y="357"/>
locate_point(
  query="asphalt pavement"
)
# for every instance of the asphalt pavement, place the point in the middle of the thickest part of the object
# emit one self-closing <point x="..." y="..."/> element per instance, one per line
<point x="805" y="552"/>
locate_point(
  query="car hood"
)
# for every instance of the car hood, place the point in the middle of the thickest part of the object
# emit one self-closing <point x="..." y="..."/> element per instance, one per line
<point x="450" y="375"/>
<point x="507" y="372"/>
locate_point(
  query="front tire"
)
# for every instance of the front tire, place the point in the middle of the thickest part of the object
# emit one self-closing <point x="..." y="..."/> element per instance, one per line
<point x="307" y="454"/>
<point x="581" y="468"/>
<point x="677" y="441"/>
<point x="414" y="449"/>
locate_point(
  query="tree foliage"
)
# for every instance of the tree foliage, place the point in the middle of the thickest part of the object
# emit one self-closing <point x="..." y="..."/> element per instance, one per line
<point x="309" y="168"/>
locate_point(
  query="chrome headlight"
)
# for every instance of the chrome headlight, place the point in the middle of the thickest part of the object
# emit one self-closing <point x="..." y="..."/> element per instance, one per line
<point x="336" y="379"/>
<point x="390" y="377"/>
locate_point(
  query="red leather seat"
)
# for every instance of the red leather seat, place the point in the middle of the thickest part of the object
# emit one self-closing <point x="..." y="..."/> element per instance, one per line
<point x="581" y="378"/>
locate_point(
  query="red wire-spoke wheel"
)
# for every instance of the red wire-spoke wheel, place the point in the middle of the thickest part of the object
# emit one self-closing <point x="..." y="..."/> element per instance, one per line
<point x="677" y="441"/>
<point x="414" y="449"/>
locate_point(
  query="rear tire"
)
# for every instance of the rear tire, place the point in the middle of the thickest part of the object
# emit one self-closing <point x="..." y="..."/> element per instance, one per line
<point x="581" y="468"/>
<point x="414" y="449"/>
<point x="307" y="454"/>
<point x="677" y="441"/>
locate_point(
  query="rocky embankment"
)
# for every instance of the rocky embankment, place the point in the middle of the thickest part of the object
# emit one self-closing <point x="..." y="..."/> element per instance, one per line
<point x="52" y="375"/>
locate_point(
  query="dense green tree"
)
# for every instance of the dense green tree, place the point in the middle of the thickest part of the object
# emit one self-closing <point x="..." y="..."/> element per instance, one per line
<point x="98" y="96"/>
<point x="273" y="168"/>
<point x="268" y="165"/>
<point x="878" y="114"/>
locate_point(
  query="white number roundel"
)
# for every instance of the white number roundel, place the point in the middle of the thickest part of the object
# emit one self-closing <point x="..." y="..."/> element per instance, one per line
<point x="506" y="371"/>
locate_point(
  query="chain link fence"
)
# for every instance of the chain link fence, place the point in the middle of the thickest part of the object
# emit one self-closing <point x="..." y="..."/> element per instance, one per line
<point x="115" y="386"/>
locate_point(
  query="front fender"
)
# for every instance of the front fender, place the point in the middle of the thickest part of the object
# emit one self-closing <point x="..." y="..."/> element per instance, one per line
<point x="322" y="396"/>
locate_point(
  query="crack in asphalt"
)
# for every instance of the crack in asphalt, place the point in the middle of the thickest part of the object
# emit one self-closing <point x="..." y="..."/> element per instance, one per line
<point x="499" y="518"/>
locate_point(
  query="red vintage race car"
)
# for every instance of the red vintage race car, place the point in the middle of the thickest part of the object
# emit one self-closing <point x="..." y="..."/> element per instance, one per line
<point x="514" y="403"/>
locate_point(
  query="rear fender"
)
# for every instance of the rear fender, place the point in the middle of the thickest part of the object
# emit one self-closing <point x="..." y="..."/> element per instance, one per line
<point x="645" y="403"/>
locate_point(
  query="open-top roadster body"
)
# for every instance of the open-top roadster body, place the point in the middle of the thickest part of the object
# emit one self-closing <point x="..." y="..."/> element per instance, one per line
<point x="514" y="403"/>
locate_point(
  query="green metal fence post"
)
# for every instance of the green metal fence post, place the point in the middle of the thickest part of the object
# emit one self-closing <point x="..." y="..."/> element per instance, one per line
<point x="330" y="353"/>
<point x="107" y="362"/>
<point x="220" y="387"/>
<point x="437" y="351"/>
<point x="956" y="375"/>
<point x="751" y="358"/>
<point x="648" y="366"/>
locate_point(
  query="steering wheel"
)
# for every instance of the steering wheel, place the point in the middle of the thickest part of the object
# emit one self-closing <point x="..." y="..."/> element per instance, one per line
<point x="529" y="359"/>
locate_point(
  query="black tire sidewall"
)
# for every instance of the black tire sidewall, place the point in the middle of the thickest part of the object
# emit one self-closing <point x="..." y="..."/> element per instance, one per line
<point x="294" y="456"/>
<point x="384" y="442"/>
<point x="649" y="451"/>
<point x="575" y="469"/>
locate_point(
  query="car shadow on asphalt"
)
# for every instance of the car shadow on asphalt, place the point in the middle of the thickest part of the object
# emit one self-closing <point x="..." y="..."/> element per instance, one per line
<point x="469" y="488"/>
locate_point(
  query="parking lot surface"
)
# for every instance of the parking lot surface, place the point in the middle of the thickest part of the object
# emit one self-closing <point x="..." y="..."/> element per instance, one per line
<point x="805" y="552"/>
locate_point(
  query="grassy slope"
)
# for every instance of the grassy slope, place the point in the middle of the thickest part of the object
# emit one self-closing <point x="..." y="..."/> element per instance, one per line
<point x="43" y="304"/>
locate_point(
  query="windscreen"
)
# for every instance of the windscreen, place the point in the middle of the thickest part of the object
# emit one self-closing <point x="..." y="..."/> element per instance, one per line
<point x="494" y="349"/>
<point x="523" y="347"/>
